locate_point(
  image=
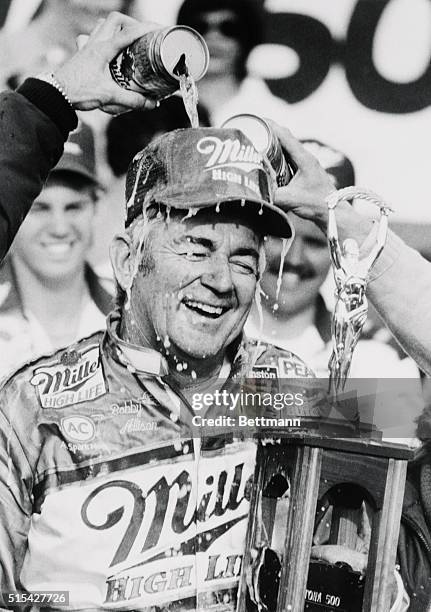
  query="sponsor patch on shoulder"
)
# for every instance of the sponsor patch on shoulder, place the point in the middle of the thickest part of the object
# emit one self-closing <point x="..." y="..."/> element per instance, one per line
<point x="62" y="384"/>
<point x="291" y="367"/>
<point x="264" y="371"/>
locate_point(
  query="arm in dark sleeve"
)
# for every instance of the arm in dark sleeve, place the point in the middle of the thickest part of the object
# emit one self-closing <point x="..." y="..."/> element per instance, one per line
<point x="34" y="123"/>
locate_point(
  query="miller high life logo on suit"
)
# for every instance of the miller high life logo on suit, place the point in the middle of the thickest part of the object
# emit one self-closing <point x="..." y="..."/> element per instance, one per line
<point x="165" y="530"/>
<point x="60" y="385"/>
<point x="185" y="536"/>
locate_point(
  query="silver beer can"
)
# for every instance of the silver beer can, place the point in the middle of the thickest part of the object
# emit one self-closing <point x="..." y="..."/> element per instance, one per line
<point x="152" y="64"/>
<point x="265" y="141"/>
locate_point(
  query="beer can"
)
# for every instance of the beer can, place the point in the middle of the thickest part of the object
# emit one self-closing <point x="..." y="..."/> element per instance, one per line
<point x="152" y="64"/>
<point x="265" y="141"/>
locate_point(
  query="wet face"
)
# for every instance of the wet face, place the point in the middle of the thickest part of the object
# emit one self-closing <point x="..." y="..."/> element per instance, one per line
<point x="305" y="268"/>
<point x="196" y="286"/>
<point x="221" y="30"/>
<point x="55" y="237"/>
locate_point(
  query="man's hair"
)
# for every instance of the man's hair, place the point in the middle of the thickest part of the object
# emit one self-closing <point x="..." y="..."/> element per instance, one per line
<point x="139" y="232"/>
<point x="250" y="14"/>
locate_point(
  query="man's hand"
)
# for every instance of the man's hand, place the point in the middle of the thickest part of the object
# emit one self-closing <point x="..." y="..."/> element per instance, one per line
<point x="86" y="77"/>
<point x="306" y="193"/>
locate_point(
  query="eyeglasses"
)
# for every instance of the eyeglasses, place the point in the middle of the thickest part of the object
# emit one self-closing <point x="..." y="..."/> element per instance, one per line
<point x="228" y="27"/>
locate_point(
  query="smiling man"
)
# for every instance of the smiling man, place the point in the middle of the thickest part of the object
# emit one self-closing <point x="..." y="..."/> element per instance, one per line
<point x="49" y="295"/>
<point x="106" y="492"/>
<point x="295" y="314"/>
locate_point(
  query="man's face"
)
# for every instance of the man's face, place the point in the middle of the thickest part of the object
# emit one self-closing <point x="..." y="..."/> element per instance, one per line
<point x="198" y="283"/>
<point x="221" y="30"/>
<point x="305" y="269"/>
<point x="56" y="235"/>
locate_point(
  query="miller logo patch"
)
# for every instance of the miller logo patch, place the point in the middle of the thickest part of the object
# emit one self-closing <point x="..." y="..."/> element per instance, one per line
<point x="60" y="385"/>
<point x="229" y="153"/>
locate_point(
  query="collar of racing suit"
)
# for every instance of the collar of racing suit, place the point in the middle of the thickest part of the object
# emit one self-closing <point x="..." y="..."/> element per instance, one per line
<point x="147" y="372"/>
<point x="140" y="359"/>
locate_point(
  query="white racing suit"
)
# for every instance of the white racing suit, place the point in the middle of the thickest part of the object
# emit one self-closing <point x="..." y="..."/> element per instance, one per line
<point x="105" y="495"/>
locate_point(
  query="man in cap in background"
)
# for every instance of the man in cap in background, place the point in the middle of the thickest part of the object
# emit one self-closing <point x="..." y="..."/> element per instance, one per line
<point x="49" y="295"/>
<point x="98" y="454"/>
<point x="295" y="313"/>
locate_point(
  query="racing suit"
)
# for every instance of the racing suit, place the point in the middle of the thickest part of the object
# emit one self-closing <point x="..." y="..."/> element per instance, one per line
<point x="105" y="493"/>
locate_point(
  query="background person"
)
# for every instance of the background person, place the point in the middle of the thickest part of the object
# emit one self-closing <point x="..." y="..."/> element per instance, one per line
<point x="36" y="120"/>
<point x="231" y="30"/>
<point x="401" y="303"/>
<point x="50" y="296"/>
<point x="297" y="314"/>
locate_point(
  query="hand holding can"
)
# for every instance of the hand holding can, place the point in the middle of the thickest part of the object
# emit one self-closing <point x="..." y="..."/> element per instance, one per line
<point x="85" y="77"/>
<point x="153" y="64"/>
<point x="265" y="140"/>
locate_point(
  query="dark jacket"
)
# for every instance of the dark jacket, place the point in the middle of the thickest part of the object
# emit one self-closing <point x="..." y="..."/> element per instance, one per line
<point x="414" y="544"/>
<point x="34" y="123"/>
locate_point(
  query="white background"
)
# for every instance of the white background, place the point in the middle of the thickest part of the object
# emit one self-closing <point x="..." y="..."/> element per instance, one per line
<point x="391" y="153"/>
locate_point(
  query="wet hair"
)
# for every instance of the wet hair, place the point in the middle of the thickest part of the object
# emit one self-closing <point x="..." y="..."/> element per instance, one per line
<point x="139" y="233"/>
<point x="250" y="15"/>
<point x="130" y="133"/>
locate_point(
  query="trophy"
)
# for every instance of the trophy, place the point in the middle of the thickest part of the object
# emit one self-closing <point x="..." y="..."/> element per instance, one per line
<point x="325" y="509"/>
<point x="351" y="275"/>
